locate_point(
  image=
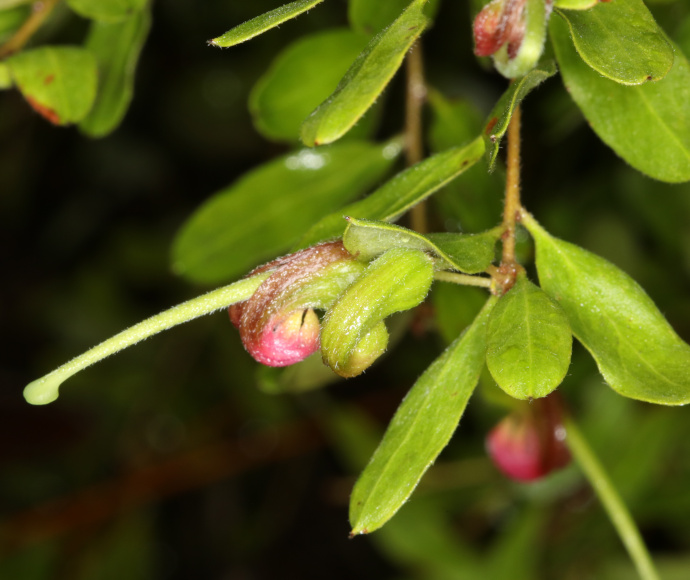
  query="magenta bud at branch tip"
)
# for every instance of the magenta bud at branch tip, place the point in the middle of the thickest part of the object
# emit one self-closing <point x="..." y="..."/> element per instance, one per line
<point x="278" y="325"/>
<point x="529" y="443"/>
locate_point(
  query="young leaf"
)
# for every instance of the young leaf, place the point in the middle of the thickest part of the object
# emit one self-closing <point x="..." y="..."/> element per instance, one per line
<point x="398" y="280"/>
<point x="265" y="211"/>
<point x="420" y="429"/>
<point x="106" y="10"/>
<point x="621" y="41"/>
<point x="469" y="253"/>
<point x="529" y="342"/>
<point x="366" y="78"/>
<point x="638" y="353"/>
<point x="262" y="23"/>
<point x="5" y="76"/>
<point x="500" y="116"/>
<point x="116" y="48"/>
<point x="371" y="17"/>
<point x="300" y="78"/>
<point x="647" y="125"/>
<point x="405" y="190"/>
<point x="59" y="82"/>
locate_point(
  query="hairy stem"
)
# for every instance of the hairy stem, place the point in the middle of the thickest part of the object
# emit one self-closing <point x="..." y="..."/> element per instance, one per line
<point x="414" y="145"/>
<point x="45" y="389"/>
<point x="512" y="199"/>
<point x="464" y="279"/>
<point x="611" y="500"/>
<point x="39" y="12"/>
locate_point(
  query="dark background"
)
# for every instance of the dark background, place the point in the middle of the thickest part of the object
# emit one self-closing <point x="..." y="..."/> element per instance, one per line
<point x="167" y="462"/>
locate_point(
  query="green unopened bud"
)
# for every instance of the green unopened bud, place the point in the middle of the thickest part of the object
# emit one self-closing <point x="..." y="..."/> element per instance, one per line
<point x="352" y="336"/>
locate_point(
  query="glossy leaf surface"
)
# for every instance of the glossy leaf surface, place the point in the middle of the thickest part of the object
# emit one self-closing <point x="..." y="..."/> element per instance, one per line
<point x="469" y="253"/>
<point x="647" y="125"/>
<point x="398" y="280"/>
<point x="58" y="82"/>
<point x="621" y="41"/>
<point x="638" y="353"/>
<point x="402" y="192"/>
<point x="420" y="429"/>
<point x="366" y="78"/>
<point x="529" y="342"/>
<point x="262" y="23"/>
<point x="500" y="116"/>
<point x="264" y="212"/>
<point x="117" y="48"/>
<point x="300" y="78"/>
<point x="106" y="10"/>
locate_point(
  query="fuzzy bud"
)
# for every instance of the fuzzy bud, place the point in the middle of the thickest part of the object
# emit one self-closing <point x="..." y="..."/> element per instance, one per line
<point x="278" y="325"/>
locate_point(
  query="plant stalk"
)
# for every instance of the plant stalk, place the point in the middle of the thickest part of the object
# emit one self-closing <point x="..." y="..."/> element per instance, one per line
<point x="512" y="199"/>
<point x="611" y="500"/>
<point x="39" y="12"/>
<point x="464" y="279"/>
<point x="45" y="389"/>
<point x="414" y="144"/>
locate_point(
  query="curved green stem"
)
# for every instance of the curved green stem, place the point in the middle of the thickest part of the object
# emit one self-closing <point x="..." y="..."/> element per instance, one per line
<point x="464" y="279"/>
<point x="612" y="502"/>
<point x="45" y="389"/>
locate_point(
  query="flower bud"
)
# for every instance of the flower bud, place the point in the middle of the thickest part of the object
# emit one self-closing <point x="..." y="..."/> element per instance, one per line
<point x="353" y="333"/>
<point x="278" y="325"/>
<point x="529" y="443"/>
<point x="514" y="32"/>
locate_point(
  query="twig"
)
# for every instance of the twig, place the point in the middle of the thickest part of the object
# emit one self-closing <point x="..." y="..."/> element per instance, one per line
<point x="414" y="101"/>
<point x="512" y="200"/>
<point x="39" y="12"/>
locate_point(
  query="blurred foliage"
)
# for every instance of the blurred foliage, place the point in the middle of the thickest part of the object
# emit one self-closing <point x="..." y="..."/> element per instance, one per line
<point x="168" y="462"/>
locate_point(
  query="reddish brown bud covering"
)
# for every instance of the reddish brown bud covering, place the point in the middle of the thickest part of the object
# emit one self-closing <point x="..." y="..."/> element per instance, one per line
<point x="499" y="22"/>
<point x="530" y="443"/>
<point x="278" y="325"/>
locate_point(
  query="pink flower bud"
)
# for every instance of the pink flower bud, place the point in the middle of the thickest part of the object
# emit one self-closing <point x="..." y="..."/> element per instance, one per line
<point x="529" y="443"/>
<point x="278" y="325"/>
<point x="499" y="22"/>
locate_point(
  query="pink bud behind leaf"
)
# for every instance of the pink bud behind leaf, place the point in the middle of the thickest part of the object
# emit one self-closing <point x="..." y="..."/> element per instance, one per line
<point x="529" y="443"/>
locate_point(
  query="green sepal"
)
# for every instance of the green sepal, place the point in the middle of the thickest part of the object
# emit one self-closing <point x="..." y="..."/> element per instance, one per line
<point x="398" y="280"/>
<point x="529" y="342"/>
<point x="468" y="253"/>
<point x="420" y="429"/>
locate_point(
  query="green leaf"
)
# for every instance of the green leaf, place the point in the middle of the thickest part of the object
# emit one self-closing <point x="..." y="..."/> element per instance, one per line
<point x="647" y="125"/>
<point x="638" y="353"/>
<point x="59" y="82"/>
<point x="575" y="4"/>
<point x="420" y="429"/>
<point x="469" y="253"/>
<point x="366" y="78"/>
<point x="405" y="190"/>
<point x="621" y="41"/>
<point x="117" y="48"/>
<point x="371" y="17"/>
<point x="529" y="342"/>
<point x="262" y="23"/>
<point x="106" y="10"/>
<point x="300" y="78"/>
<point x="398" y="280"/>
<point x="500" y="116"/>
<point x="265" y="211"/>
